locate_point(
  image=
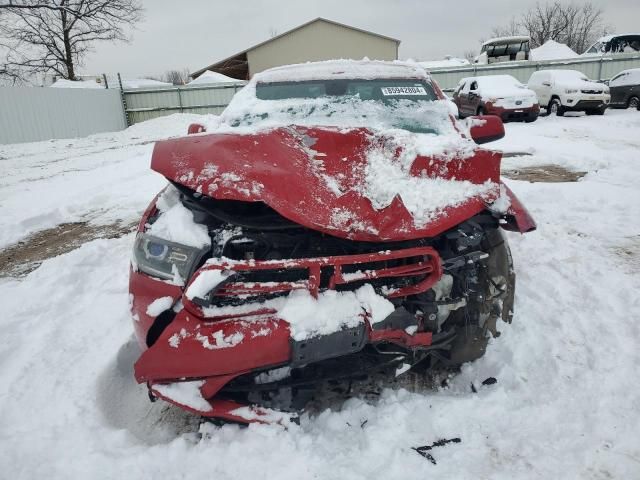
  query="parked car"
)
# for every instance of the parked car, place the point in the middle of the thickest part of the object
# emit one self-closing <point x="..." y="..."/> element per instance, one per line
<point x="563" y="91"/>
<point x="500" y="95"/>
<point x="614" y="44"/>
<point x="336" y="222"/>
<point x="625" y="89"/>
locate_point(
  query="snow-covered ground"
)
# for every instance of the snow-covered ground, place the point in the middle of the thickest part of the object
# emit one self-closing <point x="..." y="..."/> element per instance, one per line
<point x="567" y="399"/>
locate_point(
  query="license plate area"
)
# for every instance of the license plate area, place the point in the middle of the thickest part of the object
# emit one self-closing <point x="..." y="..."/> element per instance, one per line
<point x="337" y="344"/>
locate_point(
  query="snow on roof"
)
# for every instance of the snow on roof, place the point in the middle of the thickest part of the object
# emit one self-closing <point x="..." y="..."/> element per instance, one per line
<point x="341" y="69"/>
<point x="143" y="83"/>
<point x="552" y="50"/>
<point x="63" y="83"/>
<point x="447" y="62"/>
<point x="209" y="77"/>
<point x="515" y="38"/>
<point x="607" y="38"/>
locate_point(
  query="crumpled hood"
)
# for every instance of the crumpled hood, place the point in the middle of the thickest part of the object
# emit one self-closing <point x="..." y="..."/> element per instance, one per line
<point x="348" y="183"/>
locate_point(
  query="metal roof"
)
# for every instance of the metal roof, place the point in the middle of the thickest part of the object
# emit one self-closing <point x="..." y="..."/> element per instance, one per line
<point x="319" y="19"/>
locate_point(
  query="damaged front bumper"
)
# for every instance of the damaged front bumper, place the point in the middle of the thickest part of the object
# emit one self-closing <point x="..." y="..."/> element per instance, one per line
<point x="202" y="350"/>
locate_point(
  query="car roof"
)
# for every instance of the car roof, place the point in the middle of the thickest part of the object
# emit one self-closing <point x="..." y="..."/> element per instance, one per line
<point x="343" y="69"/>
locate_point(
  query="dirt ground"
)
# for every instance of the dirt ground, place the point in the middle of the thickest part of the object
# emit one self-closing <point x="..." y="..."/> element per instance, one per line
<point x="544" y="173"/>
<point x="24" y="257"/>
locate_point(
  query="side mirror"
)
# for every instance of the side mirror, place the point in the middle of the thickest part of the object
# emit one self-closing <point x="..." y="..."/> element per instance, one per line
<point x="486" y="128"/>
<point x="195" y="128"/>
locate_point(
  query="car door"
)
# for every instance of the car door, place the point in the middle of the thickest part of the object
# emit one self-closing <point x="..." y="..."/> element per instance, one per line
<point x="618" y="88"/>
<point x="541" y="83"/>
<point x="458" y="97"/>
<point x="474" y="97"/>
<point x="463" y="106"/>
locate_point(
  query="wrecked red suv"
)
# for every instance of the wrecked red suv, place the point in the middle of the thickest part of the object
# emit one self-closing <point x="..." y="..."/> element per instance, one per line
<point x="334" y="222"/>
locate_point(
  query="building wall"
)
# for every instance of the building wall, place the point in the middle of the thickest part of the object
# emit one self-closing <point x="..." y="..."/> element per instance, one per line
<point x="29" y="114"/>
<point x="320" y="41"/>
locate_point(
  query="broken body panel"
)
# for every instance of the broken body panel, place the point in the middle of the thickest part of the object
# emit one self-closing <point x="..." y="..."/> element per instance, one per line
<point x="287" y="169"/>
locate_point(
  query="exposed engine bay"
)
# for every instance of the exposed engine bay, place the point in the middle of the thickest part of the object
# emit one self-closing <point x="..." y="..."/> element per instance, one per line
<point x="459" y="311"/>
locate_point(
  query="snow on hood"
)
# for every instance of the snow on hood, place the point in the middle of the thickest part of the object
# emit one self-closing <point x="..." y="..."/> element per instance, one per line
<point x="353" y="168"/>
<point x="575" y="79"/>
<point x="502" y="86"/>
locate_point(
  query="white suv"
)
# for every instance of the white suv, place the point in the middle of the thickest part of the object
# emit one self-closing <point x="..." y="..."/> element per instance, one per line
<point x="561" y="91"/>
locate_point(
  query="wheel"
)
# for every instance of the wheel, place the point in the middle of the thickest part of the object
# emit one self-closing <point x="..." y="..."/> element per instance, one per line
<point x="633" y="102"/>
<point x="555" y="107"/>
<point x="531" y="119"/>
<point x="497" y="282"/>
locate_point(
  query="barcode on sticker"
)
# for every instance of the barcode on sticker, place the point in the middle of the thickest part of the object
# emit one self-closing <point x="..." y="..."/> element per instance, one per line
<point x="389" y="91"/>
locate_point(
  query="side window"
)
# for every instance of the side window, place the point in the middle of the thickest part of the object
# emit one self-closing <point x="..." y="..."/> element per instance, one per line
<point x="474" y="86"/>
<point x="459" y="88"/>
<point x="465" y="89"/>
<point x="618" y="79"/>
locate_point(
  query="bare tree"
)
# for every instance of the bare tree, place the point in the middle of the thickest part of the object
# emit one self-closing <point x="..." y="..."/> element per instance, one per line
<point x="55" y="36"/>
<point x="575" y="24"/>
<point x="176" y="77"/>
<point x="509" y="30"/>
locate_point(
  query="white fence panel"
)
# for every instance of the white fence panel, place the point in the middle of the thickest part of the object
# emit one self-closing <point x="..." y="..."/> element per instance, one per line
<point x="596" y="68"/>
<point x="29" y="114"/>
<point x="155" y="102"/>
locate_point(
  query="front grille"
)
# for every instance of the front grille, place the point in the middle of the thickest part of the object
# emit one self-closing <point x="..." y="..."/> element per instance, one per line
<point x="592" y="92"/>
<point x="393" y="274"/>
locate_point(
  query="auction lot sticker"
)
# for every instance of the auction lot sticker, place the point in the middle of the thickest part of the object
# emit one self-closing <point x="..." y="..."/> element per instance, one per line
<point x="390" y="91"/>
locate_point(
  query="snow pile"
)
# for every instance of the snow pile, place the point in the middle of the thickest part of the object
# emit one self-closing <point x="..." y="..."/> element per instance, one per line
<point x="102" y="179"/>
<point x="185" y="393"/>
<point x="132" y="83"/>
<point x="448" y="62"/>
<point x="217" y="340"/>
<point x="552" y="50"/>
<point x="64" y="83"/>
<point x="248" y="114"/>
<point x="176" y="223"/>
<point x="309" y="317"/>
<point x="341" y="69"/>
<point x="159" y="305"/>
<point x="206" y="281"/>
<point x="210" y="77"/>
<point x="425" y="198"/>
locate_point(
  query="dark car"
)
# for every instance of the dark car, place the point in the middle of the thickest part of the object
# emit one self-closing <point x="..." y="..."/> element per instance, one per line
<point x="500" y="95"/>
<point x="625" y="89"/>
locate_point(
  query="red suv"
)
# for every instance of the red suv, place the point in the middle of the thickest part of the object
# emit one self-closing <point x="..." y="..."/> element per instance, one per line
<point x="500" y="95"/>
<point x="336" y="222"/>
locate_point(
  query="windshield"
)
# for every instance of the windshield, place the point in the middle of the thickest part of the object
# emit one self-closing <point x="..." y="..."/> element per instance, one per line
<point x="407" y="104"/>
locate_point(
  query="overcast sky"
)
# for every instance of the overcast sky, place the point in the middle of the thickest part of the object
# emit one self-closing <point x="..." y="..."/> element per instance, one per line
<point x="195" y="33"/>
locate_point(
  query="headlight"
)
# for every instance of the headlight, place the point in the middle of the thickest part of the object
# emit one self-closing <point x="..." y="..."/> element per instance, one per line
<point x="571" y="90"/>
<point x="164" y="259"/>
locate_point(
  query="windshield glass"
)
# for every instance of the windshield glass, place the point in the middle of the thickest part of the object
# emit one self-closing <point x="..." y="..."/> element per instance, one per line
<point x="407" y="104"/>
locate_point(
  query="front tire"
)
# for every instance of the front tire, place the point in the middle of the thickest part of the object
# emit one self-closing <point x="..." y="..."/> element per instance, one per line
<point x="555" y="107"/>
<point x="633" y="102"/>
<point x="498" y="283"/>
